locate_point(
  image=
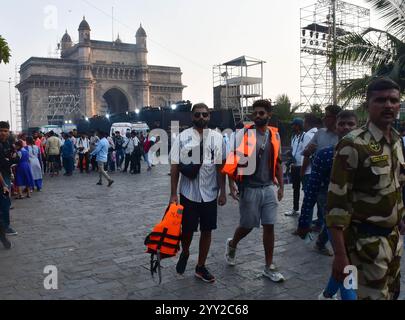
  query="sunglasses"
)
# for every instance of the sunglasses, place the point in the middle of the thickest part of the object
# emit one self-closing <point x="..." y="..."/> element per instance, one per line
<point x="199" y="114"/>
<point x="260" y="113"/>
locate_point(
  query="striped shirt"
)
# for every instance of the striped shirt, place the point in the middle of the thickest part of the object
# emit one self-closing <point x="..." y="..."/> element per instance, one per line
<point x="205" y="187"/>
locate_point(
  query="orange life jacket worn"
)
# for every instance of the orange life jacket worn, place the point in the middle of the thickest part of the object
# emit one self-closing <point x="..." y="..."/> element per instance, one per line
<point x="233" y="167"/>
<point x="165" y="237"/>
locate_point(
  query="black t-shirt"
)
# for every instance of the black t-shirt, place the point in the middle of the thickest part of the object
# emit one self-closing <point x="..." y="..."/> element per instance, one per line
<point x="118" y="142"/>
<point x="5" y="157"/>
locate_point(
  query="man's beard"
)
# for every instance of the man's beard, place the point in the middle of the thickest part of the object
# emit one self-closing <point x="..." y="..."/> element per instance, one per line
<point x="201" y="124"/>
<point x="261" y="122"/>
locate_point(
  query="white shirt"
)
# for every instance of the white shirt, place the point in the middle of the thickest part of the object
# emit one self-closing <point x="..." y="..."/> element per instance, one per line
<point x="83" y="143"/>
<point x="297" y="148"/>
<point x="307" y="139"/>
<point x="73" y="139"/>
<point x="205" y="187"/>
<point x="130" y="144"/>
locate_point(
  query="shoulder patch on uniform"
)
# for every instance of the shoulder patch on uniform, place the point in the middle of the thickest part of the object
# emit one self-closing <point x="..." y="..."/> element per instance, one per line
<point x="377" y="159"/>
<point x="355" y="133"/>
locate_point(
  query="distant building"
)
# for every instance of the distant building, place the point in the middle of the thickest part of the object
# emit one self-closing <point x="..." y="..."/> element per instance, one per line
<point x="94" y="78"/>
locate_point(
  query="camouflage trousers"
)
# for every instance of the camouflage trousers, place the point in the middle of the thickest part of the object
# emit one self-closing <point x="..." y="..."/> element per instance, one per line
<point x="377" y="259"/>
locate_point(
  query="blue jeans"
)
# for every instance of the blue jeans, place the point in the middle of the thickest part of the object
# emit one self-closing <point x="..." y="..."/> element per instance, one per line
<point x="120" y="155"/>
<point x="334" y="286"/>
<point x="323" y="237"/>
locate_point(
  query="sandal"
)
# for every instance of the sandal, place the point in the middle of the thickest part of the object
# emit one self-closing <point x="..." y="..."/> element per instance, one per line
<point x="19" y="197"/>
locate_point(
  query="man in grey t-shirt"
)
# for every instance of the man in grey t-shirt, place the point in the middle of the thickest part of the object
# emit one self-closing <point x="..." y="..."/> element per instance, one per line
<point x="262" y="177"/>
<point x="259" y="195"/>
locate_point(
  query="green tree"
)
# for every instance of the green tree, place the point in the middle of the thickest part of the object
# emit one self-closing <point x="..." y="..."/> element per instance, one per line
<point x="4" y="51"/>
<point x="362" y="114"/>
<point x="316" y="110"/>
<point x="383" y="50"/>
<point x="283" y="110"/>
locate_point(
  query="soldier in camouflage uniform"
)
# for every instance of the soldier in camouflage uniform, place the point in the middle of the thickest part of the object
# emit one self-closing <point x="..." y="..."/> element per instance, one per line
<point x="365" y="208"/>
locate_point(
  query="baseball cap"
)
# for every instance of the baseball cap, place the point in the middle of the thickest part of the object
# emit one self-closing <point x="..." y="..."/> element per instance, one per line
<point x="297" y="121"/>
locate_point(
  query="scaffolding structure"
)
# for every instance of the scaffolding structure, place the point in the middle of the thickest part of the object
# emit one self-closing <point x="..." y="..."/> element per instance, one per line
<point x="56" y="109"/>
<point x="17" y="102"/>
<point x="318" y="30"/>
<point x="237" y="84"/>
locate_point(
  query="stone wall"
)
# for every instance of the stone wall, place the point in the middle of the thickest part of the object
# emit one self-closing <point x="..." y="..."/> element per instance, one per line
<point x="114" y="57"/>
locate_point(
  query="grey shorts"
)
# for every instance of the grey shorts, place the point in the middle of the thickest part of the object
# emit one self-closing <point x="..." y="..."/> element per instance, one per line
<point x="258" y="206"/>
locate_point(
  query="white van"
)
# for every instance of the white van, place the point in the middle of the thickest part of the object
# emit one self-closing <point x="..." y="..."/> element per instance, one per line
<point x="49" y="128"/>
<point x="69" y="127"/>
<point x="140" y="127"/>
<point x="122" y="127"/>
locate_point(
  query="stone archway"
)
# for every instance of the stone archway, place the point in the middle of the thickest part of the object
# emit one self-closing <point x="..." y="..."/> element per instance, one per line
<point x="116" y="100"/>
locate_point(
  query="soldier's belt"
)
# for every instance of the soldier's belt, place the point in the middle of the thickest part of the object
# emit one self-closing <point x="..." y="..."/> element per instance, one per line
<point x="373" y="230"/>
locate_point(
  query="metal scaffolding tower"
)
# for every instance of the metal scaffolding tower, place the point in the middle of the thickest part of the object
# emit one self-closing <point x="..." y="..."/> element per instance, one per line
<point x="321" y="24"/>
<point x="57" y="108"/>
<point x="17" y="106"/>
<point x="237" y="83"/>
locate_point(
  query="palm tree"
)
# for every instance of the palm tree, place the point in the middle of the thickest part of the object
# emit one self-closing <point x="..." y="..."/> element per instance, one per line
<point x="283" y="110"/>
<point x="316" y="109"/>
<point x="4" y="51"/>
<point x="361" y="114"/>
<point x="383" y="50"/>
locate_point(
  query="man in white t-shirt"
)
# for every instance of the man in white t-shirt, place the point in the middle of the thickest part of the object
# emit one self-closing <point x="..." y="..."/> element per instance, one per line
<point x="310" y="127"/>
<point x="297" y="147"/>
<point x="201" y="188"/>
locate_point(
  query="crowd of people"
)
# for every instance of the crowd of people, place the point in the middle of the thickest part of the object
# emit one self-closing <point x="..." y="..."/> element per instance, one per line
<point x="73" y="149"/>
<point x="26" y="159"/>
<point x="353" y="174"/>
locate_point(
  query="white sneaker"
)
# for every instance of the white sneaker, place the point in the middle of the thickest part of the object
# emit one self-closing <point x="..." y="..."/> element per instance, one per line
<point x="293" y="213"/>
<point x="273" y="274"/>
<point x="230" y="253"/>
<point x="322" y="297"/>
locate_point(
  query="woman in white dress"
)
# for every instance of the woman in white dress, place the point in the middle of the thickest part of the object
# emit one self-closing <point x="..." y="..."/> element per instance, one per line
<point x="35" y="162"/>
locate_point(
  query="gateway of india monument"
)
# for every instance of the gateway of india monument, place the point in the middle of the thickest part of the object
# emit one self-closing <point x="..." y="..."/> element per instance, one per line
<point x="94" y="78"/>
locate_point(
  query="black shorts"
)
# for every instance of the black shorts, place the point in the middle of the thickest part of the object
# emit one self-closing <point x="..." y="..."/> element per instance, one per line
<point x="203" y="213"/>
<point x="54" y="158"/>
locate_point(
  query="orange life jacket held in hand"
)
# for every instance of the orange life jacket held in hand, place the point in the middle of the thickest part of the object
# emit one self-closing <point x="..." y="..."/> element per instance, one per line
<point x="233" y="167"/>
<point x="165" y="237"/>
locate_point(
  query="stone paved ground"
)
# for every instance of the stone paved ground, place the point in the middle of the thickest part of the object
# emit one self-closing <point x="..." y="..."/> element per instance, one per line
<point x="94" y="235"/>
